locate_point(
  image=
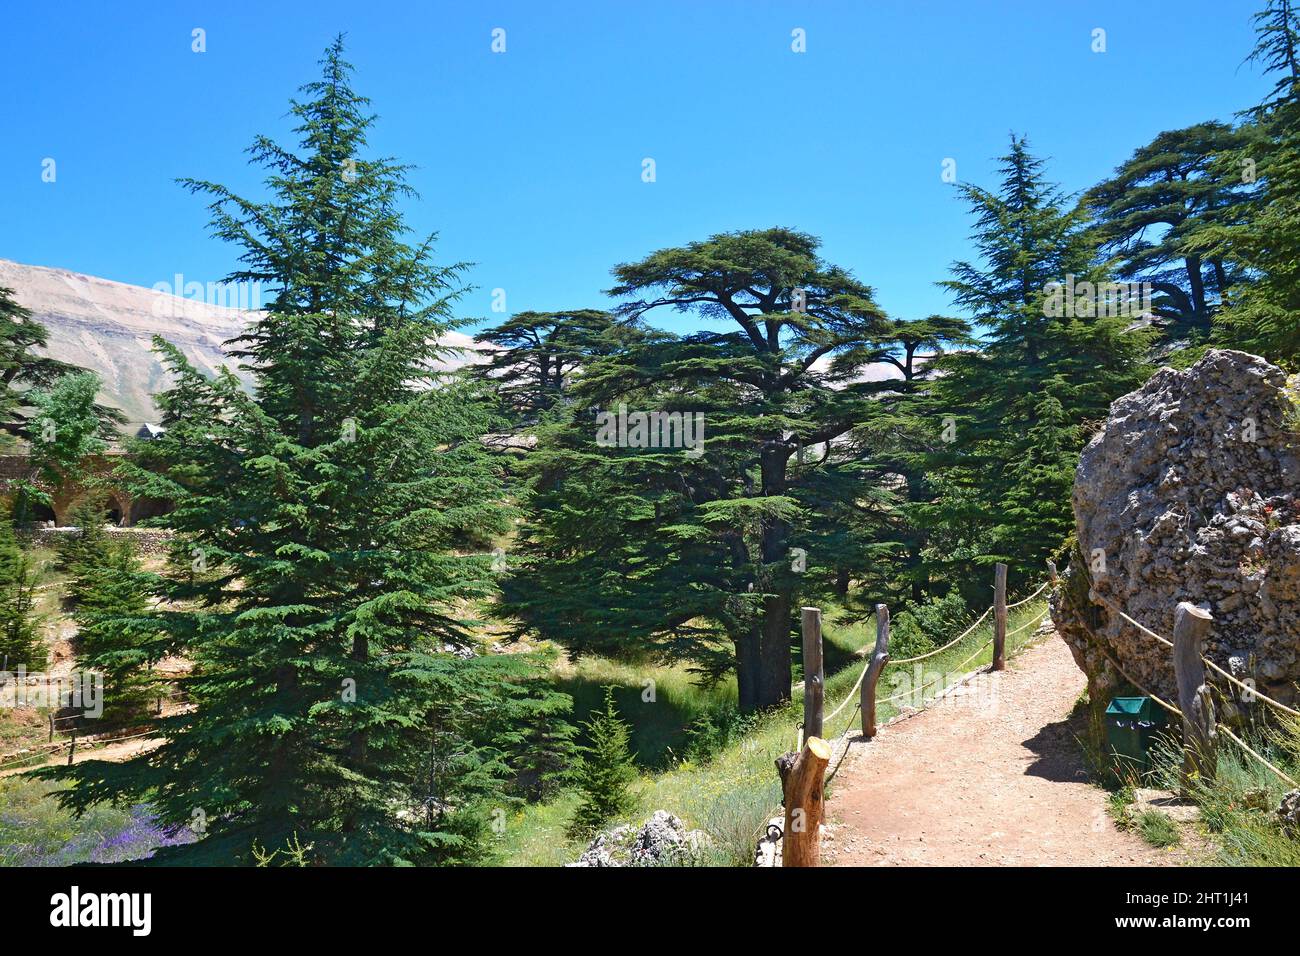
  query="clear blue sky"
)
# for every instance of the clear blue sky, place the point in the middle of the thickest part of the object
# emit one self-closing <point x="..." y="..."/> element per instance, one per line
<point x="530" y="161"/>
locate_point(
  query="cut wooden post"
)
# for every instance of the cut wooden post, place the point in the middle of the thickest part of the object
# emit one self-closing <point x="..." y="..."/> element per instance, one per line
<point x="803" y="779"/>
<point x="72" y="750"/>
<point x="1191" y="625"/>
<point x="879" y="658"/>
<point x="999" y="617"/>
<point x="51" y="726"/>
<point x="1051" y="572"/>
<point x="814" y="678"/>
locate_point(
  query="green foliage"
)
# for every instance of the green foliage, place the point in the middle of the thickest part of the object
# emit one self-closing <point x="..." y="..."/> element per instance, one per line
<point x="292" y="854"/>
<point x="714" y="731"/>
<point x="915" y="630"/>
<point x="1238" y="807"/>
<point x="115" y="630"/>
<point x="613" y="531"/>
<point x="1263" y="315"/>
<point x="20" y="638"/>
<point x="65" y="428"/>
<point x="317" y="584"/>
<point x="86" y="548"/>
<point x="541" y="352"/>
<point x="605" y="772"/>
<point x="22" y="368"/>
<point x="530" y="725"/>
<point x="1157" y="829"/>
<point x="1020" y="408"/>
<point x="1148" y="215"/>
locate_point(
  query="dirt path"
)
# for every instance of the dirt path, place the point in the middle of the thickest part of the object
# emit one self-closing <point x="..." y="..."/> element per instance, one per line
<point x="114" y="753"/>
<point x="992" y="776"/>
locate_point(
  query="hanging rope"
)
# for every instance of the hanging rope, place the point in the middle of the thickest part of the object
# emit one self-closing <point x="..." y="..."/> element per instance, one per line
<point x="1040" y="590"/>
<point x="940" y="650"/>
<point x="1208" y="663"/>
<point x="1244" y="746"/>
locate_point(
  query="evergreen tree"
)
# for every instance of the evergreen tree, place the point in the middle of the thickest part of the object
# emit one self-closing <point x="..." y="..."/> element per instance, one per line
<point x="539" y="353"/>
<point x="635" y="548"/>
<point x="114" y="631"/>
<point x="66" y="428"/>
<point x="1263" y="316"/>
<point x="1149" y="212"/>
<point x="605" y="772"/>
<point x="21" y="367"/>
<point x="20" y="638"/>
<point x="86" y="547"/>
<point x="321" y="595"/>
<point x="1013" y="415"/>
<point x="530" y="725"/>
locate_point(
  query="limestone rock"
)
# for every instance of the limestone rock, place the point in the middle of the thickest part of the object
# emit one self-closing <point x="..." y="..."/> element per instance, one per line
<point x="1191" y="492"/>
<point x="768" y="851"/>
<point x="1288" y="813"/>
<point x="663" y="840"/>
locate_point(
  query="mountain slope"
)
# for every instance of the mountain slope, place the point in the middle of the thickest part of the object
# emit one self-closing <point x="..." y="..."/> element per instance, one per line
<point x="107" y="327"/>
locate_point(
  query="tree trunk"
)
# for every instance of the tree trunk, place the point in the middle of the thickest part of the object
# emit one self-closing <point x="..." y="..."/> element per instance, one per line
<point x="842" y="583"/>
<point x="803" y="783"/>
<point x="1198" y="287"/>
<point x="774" y="671"/>
<point x="775" y="666"/>
<point x="747" y="668"/>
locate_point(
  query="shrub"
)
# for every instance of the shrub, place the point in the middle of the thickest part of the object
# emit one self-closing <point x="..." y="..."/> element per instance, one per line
<point x="734" y="823"/>
<point x="715" y="731"/>
<point x="605" y="770"/>
<point x="915" y="630"/>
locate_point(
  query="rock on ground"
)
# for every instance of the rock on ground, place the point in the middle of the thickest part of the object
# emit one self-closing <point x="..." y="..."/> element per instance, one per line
<point x="663" y="840"/>
<point x="1190" y="493"/>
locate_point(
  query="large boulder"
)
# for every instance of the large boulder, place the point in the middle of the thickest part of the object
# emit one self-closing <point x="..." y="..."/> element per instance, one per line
<point x="1190" y="493"/>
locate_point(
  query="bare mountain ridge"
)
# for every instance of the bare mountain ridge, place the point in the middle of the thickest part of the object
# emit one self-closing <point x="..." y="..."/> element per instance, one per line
<point x="108" y="326"/>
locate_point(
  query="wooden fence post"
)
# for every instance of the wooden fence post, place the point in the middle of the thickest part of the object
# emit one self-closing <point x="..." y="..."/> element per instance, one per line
<point x="1051" y="572"/>
<point x="814" y="678"/>
<point x="72" y="750"/>
<point x="1191" y="624"/>
<point x="879" y="658"/>
<point x="51" y="726"/>
<point x="999" y="617"/>
<point x="803" y="781"/>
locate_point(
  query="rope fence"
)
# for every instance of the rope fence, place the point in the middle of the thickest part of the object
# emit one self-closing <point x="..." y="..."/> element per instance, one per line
<point x="1191" y="625"/>
<point x="816" y="760"/>
<point x="71" y="746"/>
<point x="804" y="772"/>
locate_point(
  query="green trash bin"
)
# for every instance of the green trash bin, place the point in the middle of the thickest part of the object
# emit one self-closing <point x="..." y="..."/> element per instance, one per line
<point x="1131" y="725"/>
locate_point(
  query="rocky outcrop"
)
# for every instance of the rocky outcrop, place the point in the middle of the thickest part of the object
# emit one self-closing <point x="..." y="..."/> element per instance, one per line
<point x="1288" y="813"/>
<point x="663" y="840"/>
<point x="1190" y="493"/>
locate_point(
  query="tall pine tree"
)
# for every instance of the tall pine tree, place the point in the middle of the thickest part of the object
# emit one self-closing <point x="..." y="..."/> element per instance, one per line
<point x="701" y="554"/>
<point x="114" y="630"/>
<point x="20" y="638"/>
<point x="321" y="591"/>
<point x="1263" y="316"/>
<point x="1013" y="414"/>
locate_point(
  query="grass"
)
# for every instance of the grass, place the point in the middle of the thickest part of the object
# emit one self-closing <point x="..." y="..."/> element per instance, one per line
<point x="732" y="795"/>
<point x="1157" y="829"/>
<point x="36" y="831"/>
<point x="1238" y="807"/>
